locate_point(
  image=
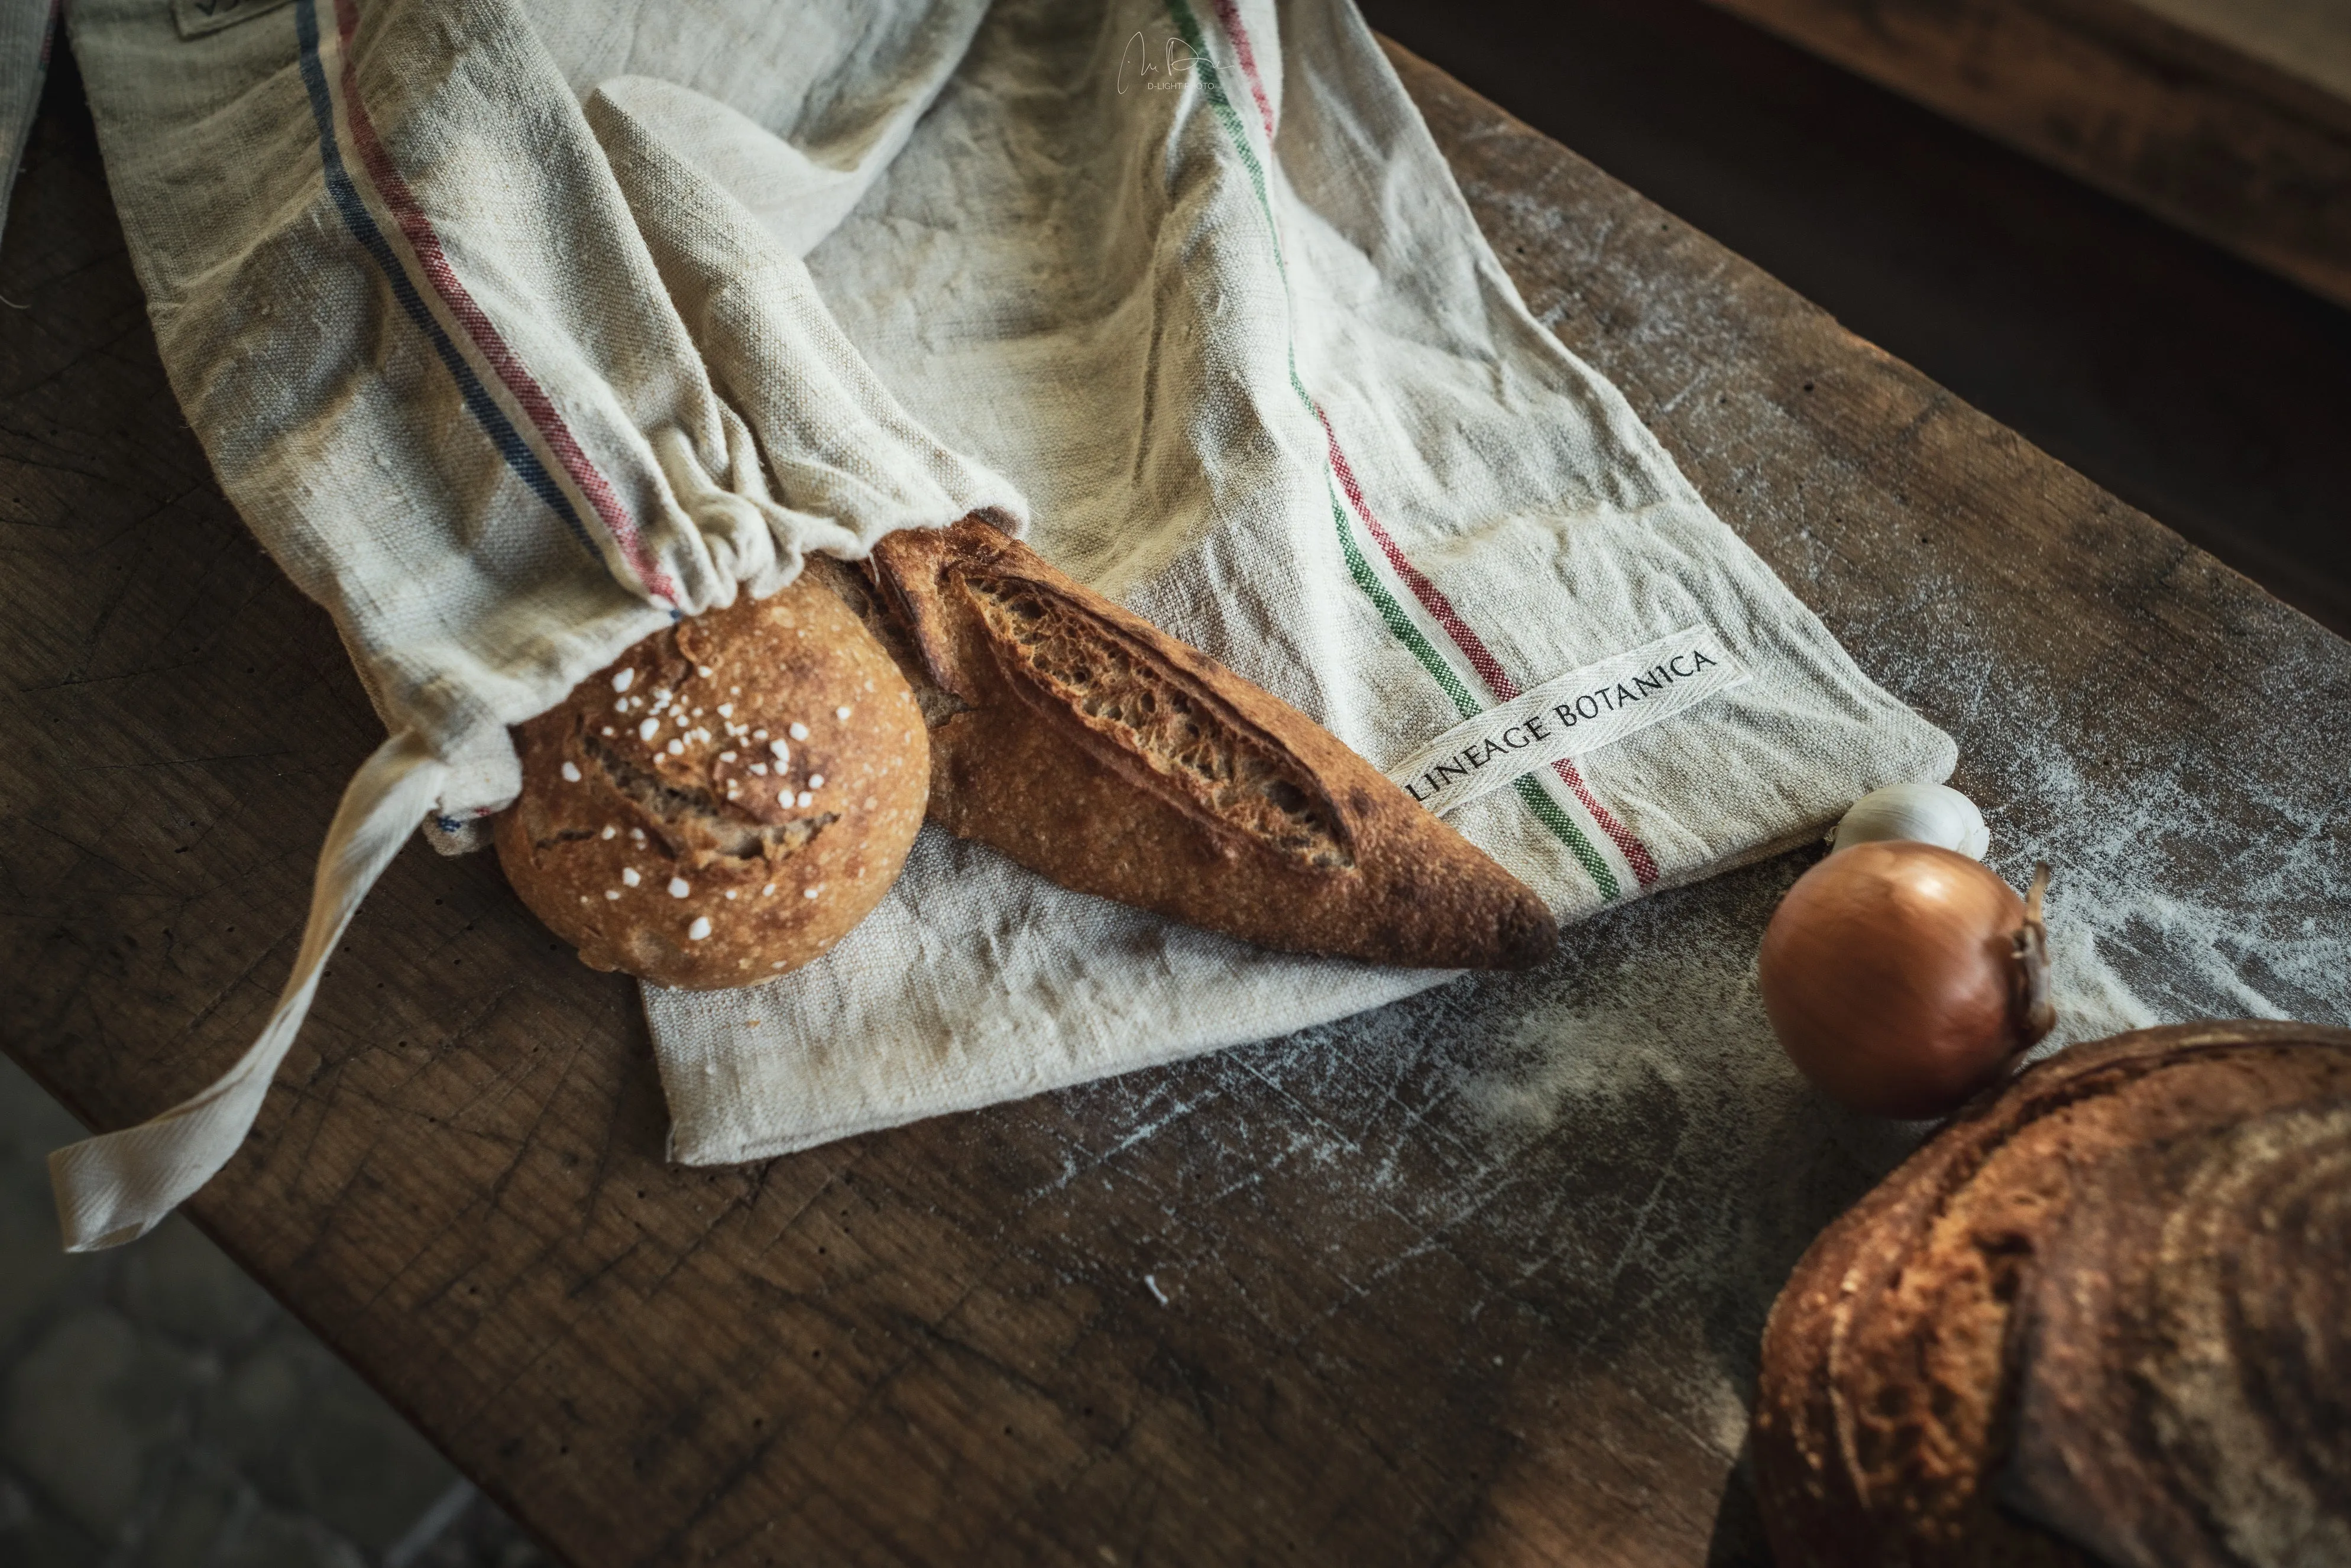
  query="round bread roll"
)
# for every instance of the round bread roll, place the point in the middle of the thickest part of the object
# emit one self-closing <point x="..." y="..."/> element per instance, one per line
<point x="2100" y="1319"/>
<point x="722" y="803"/>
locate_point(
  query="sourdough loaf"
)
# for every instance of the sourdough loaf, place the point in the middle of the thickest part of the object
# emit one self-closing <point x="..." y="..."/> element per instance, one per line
<point x="722" y="803"/>
<point x="1112" y="758"/>
<point x="2100" y="1318"/>
<point x="2183" y="1355"/>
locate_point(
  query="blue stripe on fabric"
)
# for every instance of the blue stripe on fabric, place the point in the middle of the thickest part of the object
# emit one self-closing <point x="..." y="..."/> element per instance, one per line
<point x="362" y="224"/>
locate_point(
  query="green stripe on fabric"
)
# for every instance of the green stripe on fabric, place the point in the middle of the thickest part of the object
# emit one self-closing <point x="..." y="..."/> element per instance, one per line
<point x="1398" y="623"/>
<point x="1563" y="828"/>
<point x="1391" y="613"/>
<point x="1213" y="85"/>
<point x="1546" y="810"/>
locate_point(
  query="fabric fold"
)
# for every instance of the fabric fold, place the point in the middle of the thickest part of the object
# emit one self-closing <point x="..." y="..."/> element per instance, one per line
<point x="1197" y="280"/>
<point x="516" y="329"/>
<point x="836" y="440"/>
<point x="408" y="311"/>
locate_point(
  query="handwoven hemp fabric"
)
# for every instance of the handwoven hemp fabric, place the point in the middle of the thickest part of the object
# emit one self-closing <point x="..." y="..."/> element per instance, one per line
<point x="403" y="305"/>
<point x="514" y="325"/>
<point x="1195" y="277"/>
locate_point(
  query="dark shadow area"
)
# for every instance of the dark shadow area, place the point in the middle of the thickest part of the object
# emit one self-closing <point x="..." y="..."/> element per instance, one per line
<point x="2195" y="386"/>
<point x="1738" y="1541"/>
<point x="157" y="1409"/>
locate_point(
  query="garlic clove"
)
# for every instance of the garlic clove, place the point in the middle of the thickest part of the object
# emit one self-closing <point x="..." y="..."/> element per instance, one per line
<point x="1921" y="813"/>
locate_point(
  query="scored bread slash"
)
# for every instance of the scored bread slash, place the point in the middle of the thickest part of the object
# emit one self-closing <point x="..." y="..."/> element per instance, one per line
<point x="1096" y="749"/>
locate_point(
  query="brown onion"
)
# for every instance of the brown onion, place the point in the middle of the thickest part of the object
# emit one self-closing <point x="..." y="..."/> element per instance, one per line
<point x="1901" y="978"/>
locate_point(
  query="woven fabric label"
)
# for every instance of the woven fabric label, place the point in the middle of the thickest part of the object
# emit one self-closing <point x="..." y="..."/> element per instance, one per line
<point x="197" y="17"/>
<point x="1569" y="715"/>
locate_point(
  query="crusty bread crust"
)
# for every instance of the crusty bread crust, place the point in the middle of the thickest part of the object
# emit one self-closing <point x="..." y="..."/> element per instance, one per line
<point x="2183" y="1358"/>
<point x="1094" y="748"/>
<point x="1887" y="1409"/>
<point x="723" y="802"/>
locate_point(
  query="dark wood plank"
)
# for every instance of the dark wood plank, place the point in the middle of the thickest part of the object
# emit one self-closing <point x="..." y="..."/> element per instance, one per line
<point x="2177" y="118"/>
<point x="1476" y="1278"/>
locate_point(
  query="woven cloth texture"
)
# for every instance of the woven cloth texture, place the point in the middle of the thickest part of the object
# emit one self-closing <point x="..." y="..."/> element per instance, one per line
<point x="516" y="328"/>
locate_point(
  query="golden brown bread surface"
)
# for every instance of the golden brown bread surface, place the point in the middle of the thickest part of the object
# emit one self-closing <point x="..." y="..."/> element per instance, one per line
<point x="1096" y="749"/>
<point x="2015" y="1270"/>
<point x="2183" y="1358"/>
<point x="723" y="802"/>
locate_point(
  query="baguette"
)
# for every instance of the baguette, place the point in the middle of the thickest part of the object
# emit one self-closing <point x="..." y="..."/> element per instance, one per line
<point x="1114" y="759"/>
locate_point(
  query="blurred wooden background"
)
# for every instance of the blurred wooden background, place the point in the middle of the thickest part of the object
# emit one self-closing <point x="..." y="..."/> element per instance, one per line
<point x="2201" y="388"/>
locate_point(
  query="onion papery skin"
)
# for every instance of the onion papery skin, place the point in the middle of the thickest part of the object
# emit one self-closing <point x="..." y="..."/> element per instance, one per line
<point x="1889" y="974"/>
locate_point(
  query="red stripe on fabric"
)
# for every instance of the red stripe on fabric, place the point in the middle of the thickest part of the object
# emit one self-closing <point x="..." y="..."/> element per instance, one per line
<point x="1481" y="658"/>
<point x="510" y="370"/>
<point x="1432" y="598"/>
<point x="1229" y="15"/>
<point x="1637" y="853"/>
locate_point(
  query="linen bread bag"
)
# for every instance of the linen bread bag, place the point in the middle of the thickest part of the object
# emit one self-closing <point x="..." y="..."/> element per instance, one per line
<point x="516" y="326"/>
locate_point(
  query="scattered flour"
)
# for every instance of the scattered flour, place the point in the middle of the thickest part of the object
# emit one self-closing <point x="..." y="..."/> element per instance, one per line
<point x="1606" y="1169"/>
<point x="2131" y="946"/>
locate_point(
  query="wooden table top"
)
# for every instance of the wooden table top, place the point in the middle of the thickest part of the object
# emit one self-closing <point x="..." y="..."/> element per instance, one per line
<point x="2232" y="121"/>
<point x="1474" y="1278"/>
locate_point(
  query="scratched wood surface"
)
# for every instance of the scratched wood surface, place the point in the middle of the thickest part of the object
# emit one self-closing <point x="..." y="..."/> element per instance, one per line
<point x="2172" y="111"/>
<point x="1474" y="1279"/>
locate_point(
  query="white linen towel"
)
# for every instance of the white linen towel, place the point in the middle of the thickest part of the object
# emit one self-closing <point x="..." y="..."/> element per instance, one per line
<point x="514" y="327"/>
